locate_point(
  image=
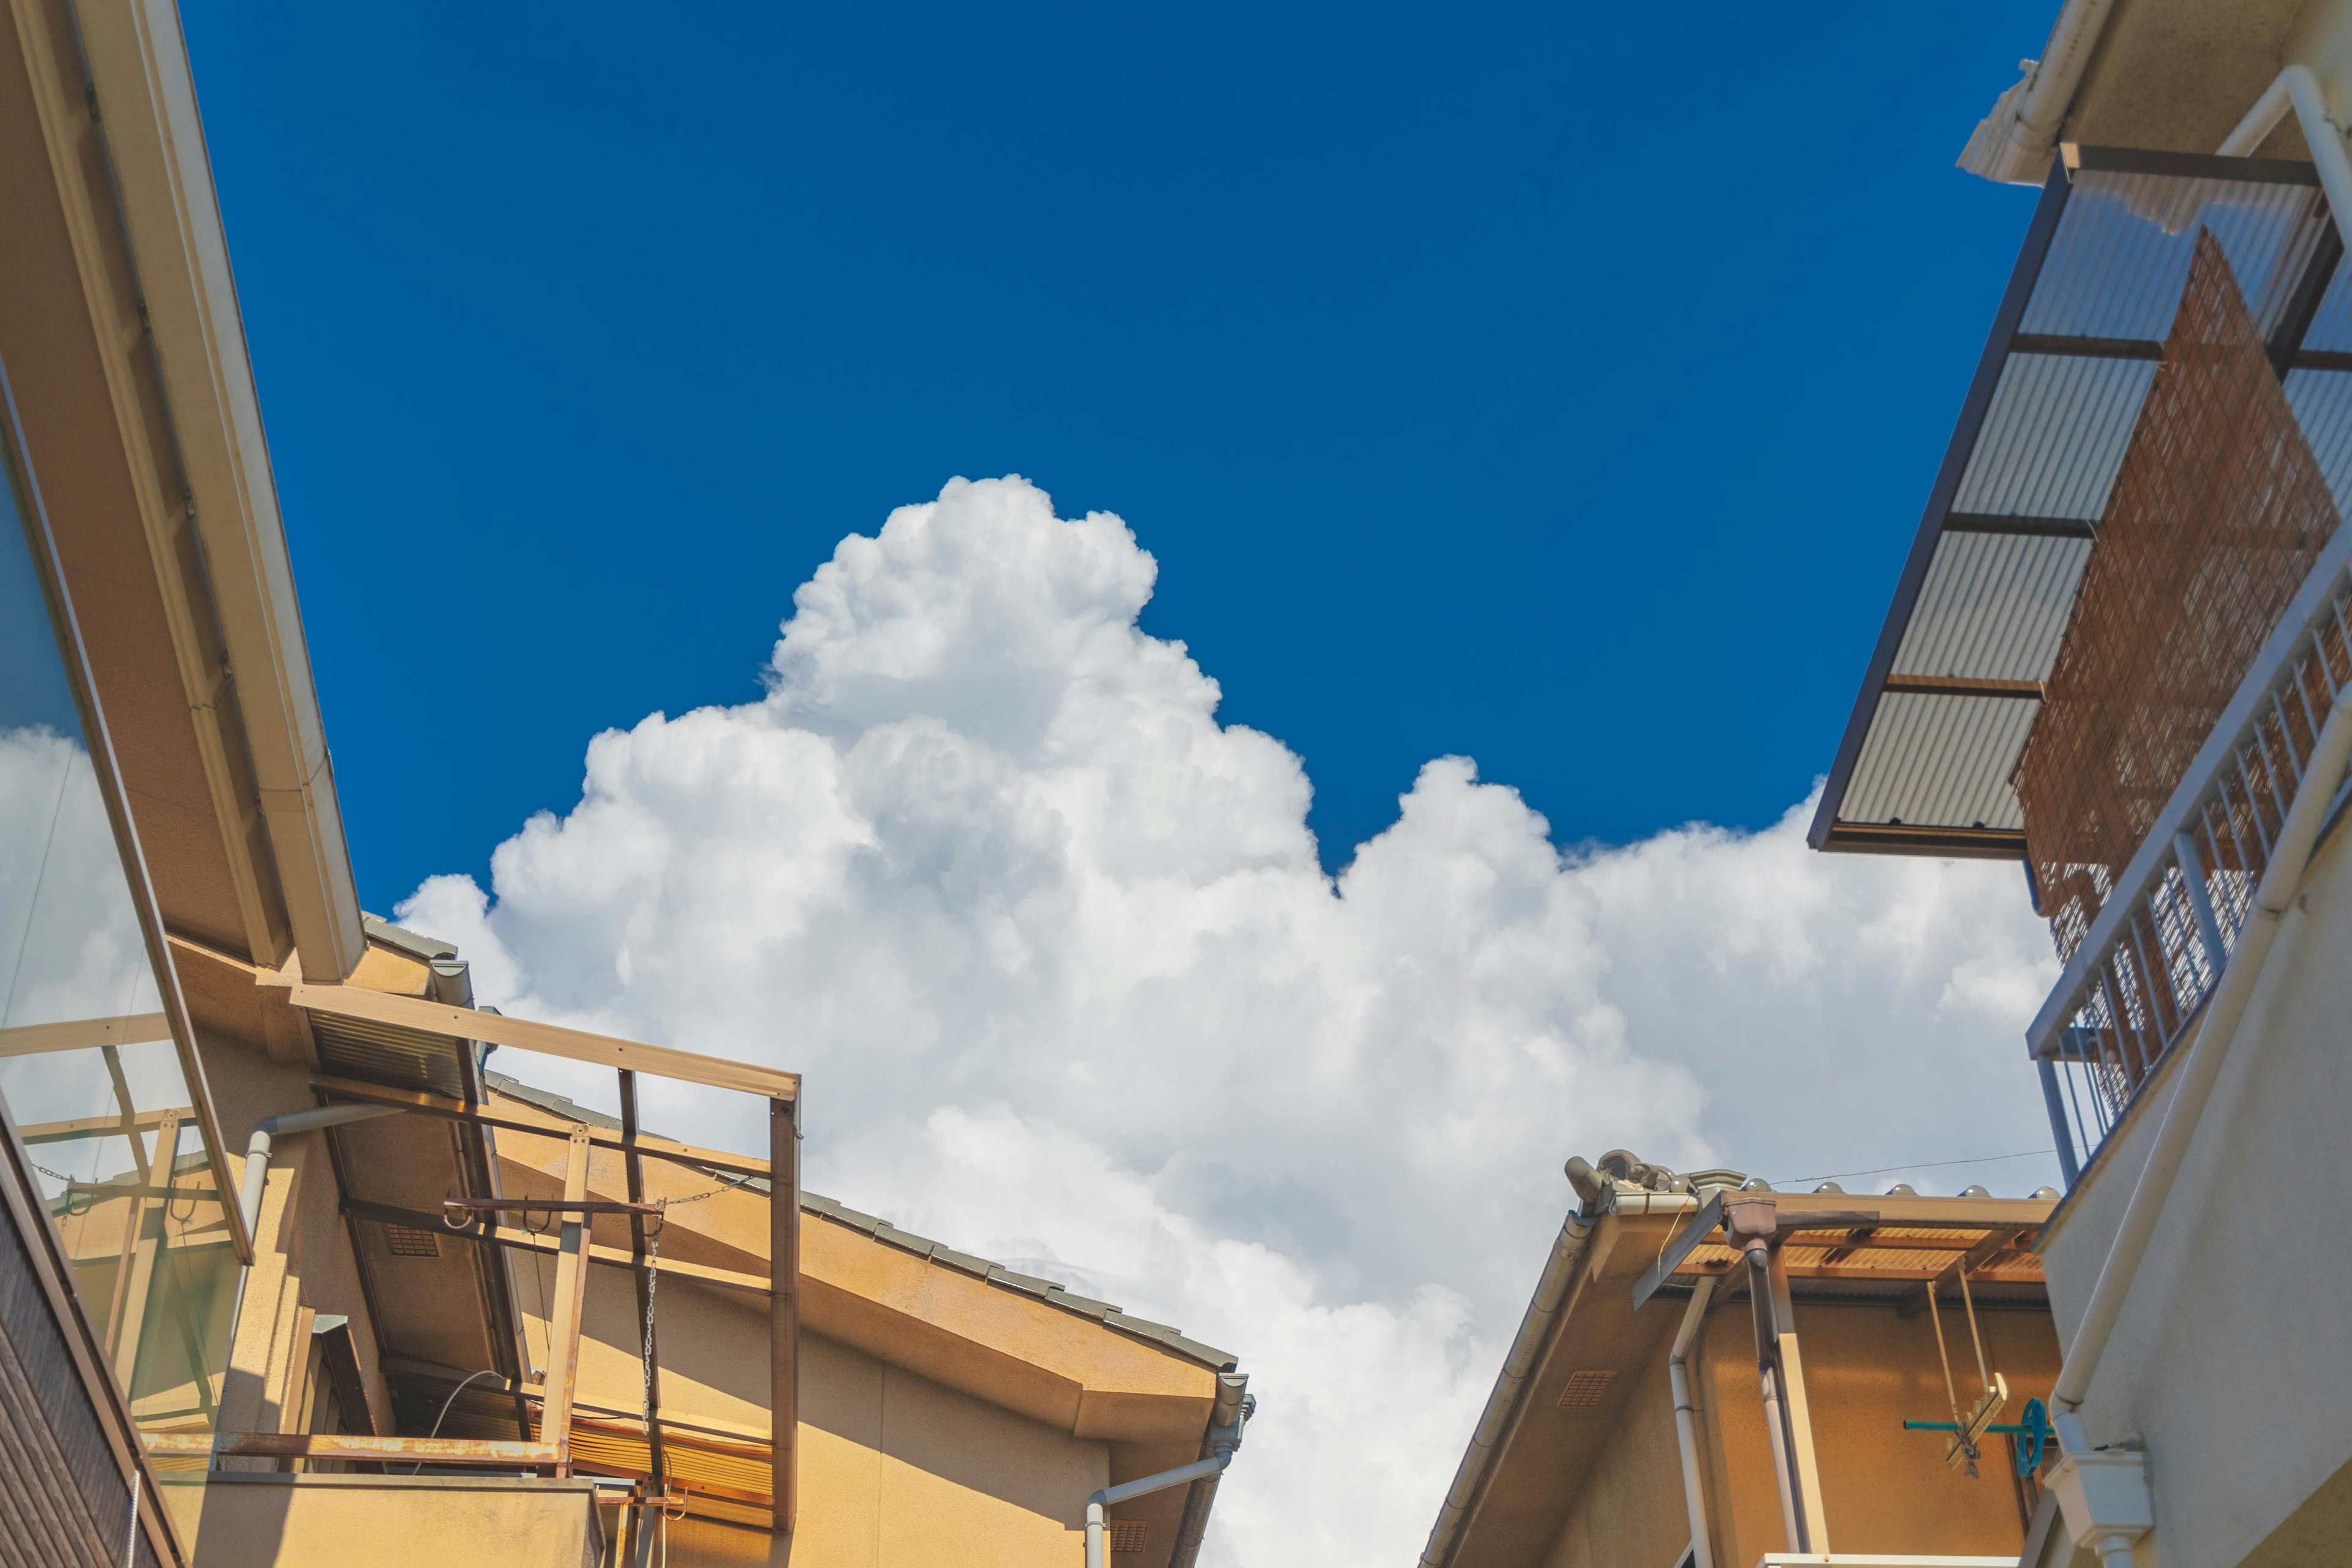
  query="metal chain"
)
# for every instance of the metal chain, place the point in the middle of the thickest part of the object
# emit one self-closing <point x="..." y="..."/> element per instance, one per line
<point x="725" y="1187"/>
<point x="653" y="1283"/>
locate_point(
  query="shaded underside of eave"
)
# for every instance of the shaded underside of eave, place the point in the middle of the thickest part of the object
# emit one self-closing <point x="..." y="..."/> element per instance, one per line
<point x="1548" y="1450"/>
<point x="1987" y="590"/>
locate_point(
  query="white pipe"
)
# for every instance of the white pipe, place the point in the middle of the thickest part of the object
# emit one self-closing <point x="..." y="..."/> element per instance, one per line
<point x="2297" y="89"/>
<point x="256" y="1149"/>
<point x="1226" y="1440"/>
<point x="2273" y="901"/>
<point x="1693" y="1489"/>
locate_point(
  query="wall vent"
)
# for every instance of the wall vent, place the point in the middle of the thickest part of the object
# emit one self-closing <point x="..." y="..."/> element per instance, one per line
<point x="1130" y="1534"/>
<point x="408" y="1241"/>
<point x="1585" y="1388"/>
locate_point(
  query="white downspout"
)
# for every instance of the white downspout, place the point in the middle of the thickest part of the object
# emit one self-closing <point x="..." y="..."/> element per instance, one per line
<point x="2297" y="89"/>
<point x="257" y="1151"/>
<point x="2106" y="1508"/>
<point x="1694" y="1486"/>
<point x="1224" y="1440"/>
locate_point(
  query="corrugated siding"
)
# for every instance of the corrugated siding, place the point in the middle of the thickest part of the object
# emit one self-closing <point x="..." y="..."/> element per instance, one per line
<point x="1993" y="606"/>
<point x="1940" y="759"/>
<point x="2120" y="257"/>
<point x="62" y="1500"/>
<point x="2054" y="436"/>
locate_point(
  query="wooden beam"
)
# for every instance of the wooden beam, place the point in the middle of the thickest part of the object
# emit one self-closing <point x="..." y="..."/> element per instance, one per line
<point x="1975" y="1257"/>
<point x="570" y="1302"/>
<point x="84" y="1033"/>
<point x="101" y="1126"/>
<point x="547" y="1039"/>
<point x="783" y="1307"/>
<point x="458" y="1110"/>
<point x="526" y="1241"/>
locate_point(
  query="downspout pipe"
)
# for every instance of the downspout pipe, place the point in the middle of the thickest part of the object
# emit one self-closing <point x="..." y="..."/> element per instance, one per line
<point x="2298" y="90"/>
<point x="2272" y="901"/>
<point x="1686" y="1437"/>
<point x="1223" y="1442"/>
<point x="256" y="1148"/>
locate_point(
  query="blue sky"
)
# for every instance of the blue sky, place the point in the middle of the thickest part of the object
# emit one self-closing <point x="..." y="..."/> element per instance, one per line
<point x="1557" y="384"/>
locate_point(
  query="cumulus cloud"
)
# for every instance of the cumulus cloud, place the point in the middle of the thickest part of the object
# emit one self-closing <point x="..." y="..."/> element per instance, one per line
<point x="1071" y="987"/>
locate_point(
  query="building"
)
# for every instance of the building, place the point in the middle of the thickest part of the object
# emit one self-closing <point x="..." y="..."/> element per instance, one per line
<point x="2117" y="654"/>
<point x="298" y="1266"/>
<point x="1713" y="1374"/>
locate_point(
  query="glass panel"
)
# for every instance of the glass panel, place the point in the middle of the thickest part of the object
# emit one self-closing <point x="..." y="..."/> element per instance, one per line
<point x="87" y="1069"/>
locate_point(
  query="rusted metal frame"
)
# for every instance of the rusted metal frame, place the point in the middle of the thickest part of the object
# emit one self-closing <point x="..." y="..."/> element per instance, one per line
<point x="783" y="1307"/>
<point x="543" y="1206"/>
<point x="427" y="1104"/>
<point x="496" y="1452"/>
<point x="571" y="1299"/>
<point x="657" y="1461"/>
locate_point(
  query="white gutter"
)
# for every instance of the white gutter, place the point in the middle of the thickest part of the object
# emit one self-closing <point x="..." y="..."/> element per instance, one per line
<point x="2013" y="144"/>
<point x="1694" y="1488"/>
<point x="1550" y="1300"/>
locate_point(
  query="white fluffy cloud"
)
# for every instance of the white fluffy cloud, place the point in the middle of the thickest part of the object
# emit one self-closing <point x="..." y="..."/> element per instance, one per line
<point x="1071" y="988"/>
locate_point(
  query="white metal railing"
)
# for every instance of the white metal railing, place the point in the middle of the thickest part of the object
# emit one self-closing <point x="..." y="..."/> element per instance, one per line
<point x="2167" y="924"/>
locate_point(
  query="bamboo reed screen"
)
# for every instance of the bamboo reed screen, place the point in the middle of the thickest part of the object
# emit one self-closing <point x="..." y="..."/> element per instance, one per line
<point x="2218" y="512"/>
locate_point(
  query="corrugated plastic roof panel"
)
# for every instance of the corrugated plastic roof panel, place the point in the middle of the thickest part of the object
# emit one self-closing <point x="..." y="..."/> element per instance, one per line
<point x="1985" y="595"/>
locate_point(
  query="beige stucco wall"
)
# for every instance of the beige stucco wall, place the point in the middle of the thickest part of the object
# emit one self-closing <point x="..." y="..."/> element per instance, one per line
<point x="387" y="1521"/>
<point x="1867" y="1370"/>
<point x="899" y="1472"/>
<point x="1631" y="1510"/>
<point x="2230" y="1359"/>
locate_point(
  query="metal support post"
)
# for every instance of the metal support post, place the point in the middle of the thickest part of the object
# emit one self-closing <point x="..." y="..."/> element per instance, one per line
<point x="784" y="1307"/>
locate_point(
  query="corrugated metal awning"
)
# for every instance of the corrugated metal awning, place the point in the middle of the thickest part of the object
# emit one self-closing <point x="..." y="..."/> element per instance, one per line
<point x="1954" y="683"/>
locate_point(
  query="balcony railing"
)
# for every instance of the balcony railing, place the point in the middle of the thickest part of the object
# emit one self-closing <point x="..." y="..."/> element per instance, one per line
<point x="2166" y="926"/>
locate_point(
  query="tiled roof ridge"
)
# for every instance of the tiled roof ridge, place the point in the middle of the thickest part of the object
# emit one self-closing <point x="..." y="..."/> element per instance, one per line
<point x="937" y="1252"/>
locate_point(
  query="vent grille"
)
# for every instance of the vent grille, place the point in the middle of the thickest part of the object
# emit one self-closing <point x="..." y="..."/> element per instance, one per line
<point x="1585" y="1388"/>
<point x="1130" y="1534"/>
<point x="407" y="1241"/>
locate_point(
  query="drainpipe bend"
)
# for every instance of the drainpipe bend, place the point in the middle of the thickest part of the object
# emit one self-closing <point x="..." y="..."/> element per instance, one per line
<point x="2298" y="90"/>
<point x="2273" y="901"/>
<point x="1223" y="1440"/>
<point x="256" y="1149"/>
